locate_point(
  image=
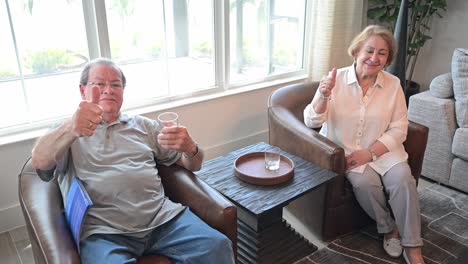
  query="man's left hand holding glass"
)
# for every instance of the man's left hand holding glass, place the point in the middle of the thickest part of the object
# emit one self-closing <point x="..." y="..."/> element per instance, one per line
<point x="178" y="138"/>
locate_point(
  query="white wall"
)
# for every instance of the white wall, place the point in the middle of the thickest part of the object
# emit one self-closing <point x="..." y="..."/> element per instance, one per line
<point x="219" y="126"/>
<point x="12" y="157"/>
<point x="447" y="33"/>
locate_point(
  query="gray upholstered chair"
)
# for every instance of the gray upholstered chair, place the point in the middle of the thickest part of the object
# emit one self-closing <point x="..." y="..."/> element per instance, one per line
<point x="51" y="238"/>
<point x="444" y="110"/>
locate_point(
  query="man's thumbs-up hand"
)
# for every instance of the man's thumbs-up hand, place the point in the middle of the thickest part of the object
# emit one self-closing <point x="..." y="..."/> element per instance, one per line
<point x="95" y="94"/>
<point x="89" y="113"/>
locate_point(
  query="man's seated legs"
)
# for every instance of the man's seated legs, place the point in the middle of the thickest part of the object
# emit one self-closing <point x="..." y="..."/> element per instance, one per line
<point x="187" y="239"/>
<point x="184" y="239"/>
<point x="110" y="248"/>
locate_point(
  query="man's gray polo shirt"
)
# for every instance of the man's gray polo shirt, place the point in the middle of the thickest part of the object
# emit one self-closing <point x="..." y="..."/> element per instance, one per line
<point x="117" y="165"/>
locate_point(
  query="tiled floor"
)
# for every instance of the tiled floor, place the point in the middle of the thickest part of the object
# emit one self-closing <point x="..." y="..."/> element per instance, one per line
<point x="16" y="249"/>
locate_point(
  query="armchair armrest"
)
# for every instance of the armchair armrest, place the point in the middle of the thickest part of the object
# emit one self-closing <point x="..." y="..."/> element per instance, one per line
<point x="288" y="131"/>
<point x="290" y="134"/>
<point x="415" y="146"/>
<point x="438" y="114"/>
<point x="184" y="187"/>
<point x="41" y="203"/>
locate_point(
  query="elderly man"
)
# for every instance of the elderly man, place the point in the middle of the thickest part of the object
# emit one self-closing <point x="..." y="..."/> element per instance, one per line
<point x="115" y="157"/>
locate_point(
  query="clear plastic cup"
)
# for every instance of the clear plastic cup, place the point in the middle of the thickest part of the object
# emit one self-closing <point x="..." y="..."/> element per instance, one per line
<point x="169" y="119"/>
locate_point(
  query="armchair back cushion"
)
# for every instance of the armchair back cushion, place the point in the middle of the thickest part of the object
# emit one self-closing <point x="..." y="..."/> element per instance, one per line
<point x="442" y="86"/>
<point x="460" y="85"/>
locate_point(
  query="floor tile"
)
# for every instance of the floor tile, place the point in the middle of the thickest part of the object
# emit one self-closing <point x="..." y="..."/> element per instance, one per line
<point x="8" y="254"/>
<point x="424" y="183"/>
<point x="25" y="251"/>
<point x="19" y="234"/>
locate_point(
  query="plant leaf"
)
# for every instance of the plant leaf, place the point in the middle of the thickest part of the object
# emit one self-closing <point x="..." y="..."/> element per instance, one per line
<point x="377" y="2"/>
<point x="376" y="13"/>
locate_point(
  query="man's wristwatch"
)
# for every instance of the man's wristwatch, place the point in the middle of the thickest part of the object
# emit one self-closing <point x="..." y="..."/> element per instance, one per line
<point x="193" y="155"/>
<point x="373" y="155"/>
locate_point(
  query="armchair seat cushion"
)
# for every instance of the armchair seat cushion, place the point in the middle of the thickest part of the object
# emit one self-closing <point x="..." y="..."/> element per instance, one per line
<point x="460" y="143"/>
<point x="458" y="174"/>
<point x="154" y="260"/>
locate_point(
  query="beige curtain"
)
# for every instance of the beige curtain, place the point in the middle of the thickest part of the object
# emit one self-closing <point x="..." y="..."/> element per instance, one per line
<point x="334" y="24"/>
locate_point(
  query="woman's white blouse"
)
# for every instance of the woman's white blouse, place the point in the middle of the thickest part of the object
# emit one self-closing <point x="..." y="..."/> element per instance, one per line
<point x="355" y="122"/>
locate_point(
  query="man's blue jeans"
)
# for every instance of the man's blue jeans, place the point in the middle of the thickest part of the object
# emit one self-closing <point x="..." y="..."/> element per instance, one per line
<point x="184" y="239"/>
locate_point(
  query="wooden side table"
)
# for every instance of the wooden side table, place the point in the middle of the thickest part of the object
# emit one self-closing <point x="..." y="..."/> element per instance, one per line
<point x="263" y="235"/>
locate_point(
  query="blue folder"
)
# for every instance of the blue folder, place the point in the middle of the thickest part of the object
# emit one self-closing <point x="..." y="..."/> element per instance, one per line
<point x="76" y="208"/>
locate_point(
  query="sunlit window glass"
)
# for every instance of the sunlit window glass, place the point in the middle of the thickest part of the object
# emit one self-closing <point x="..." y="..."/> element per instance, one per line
<point x="266" y="37"/>
<point x="52" y="49"/>
<point x="190" y="45"/>
<point x="137" y="44"/>
<point x="287" y="35"/>
<point x="13" y="100"/>
<point x="165" y="48"/>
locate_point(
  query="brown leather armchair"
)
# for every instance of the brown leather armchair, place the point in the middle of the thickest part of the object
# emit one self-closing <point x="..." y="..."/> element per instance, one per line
<point x="341" y="212"/>
<point x="51" y="239"/>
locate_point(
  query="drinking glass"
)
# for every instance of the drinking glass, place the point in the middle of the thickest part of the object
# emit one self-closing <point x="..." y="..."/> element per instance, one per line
<point x="272" y="159"/>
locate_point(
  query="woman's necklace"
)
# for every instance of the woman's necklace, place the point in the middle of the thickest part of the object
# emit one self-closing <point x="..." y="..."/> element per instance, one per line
<point x="365" y="83"/>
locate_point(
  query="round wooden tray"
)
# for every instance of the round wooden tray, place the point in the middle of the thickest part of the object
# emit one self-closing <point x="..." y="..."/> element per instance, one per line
<point x="250" y="167"/>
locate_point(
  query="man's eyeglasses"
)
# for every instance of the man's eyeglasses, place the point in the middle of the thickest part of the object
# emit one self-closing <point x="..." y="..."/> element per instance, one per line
<point x="103" y="85"/>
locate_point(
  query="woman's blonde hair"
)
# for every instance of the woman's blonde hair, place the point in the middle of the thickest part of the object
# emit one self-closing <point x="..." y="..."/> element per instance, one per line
<point x="368" y="32"/>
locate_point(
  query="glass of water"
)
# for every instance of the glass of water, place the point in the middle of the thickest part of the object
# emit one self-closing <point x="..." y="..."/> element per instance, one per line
<point x="272" y="158"/>
<point x="169" y="119"/>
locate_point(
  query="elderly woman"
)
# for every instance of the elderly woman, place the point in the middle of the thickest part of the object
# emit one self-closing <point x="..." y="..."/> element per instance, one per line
<point x="362" y="109"/>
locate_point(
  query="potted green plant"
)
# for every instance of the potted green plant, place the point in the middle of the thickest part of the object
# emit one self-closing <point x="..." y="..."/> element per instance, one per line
<point x="421" y="13"/>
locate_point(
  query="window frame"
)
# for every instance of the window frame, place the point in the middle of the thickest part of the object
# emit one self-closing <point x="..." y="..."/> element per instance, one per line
<point x="99" y="46"/>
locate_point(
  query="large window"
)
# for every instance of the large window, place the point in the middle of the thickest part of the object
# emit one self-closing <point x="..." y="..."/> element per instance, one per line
<point x="168" y="49"/>
<point x="267" y="37"/>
